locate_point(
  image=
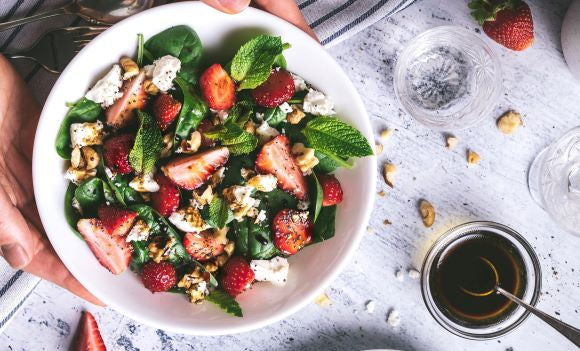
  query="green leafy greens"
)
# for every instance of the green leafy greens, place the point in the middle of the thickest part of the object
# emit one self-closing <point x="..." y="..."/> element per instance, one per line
<point x="225" y="302"/>
<point x="70" y="213"/>
<point x="237" y="140"/>
<point x="193" y="111"/>
<point x="218" y="213"/>
<point x="253" y="240"/>
<point x="324" y="225"/>
<point x="148" y="143"/>
<point x="82" y="111"/>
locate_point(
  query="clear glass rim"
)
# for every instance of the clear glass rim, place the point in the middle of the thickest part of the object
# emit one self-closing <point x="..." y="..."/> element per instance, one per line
<point x="531" y="294"/>
<point x="461" y="122"/>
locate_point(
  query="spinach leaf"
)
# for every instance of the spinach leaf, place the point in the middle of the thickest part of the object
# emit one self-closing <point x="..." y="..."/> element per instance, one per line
<point x="148" y="144"/>
<point x="140" y="48"/>
<point x="253" y="240"/>
<point x="218" y="213"/>
<point x="82" y="111"/>
<point x="274" y="116"/>
<point x="324" y="225"/>
<point x="233" y="174"/>
<point x="225" y="302"/>
<point x="124" y="194"/>
<point x="70" y="213"/>
<point x="193" y="111"/>
<point x="316" y="190"/>
<point x="325" y="164"/>
<point x="253" y="62"/>
<point x="276" y="200"/>
<point x="90" y="195"/>
<point x="140" y="255"/>
<point x="298" y="97"/>
<point x="181" y="42"/>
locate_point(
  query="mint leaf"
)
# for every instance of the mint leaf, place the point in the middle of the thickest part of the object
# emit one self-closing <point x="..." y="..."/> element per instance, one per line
<point x="147" y="144"/>
<point x="274" y="116"/>
<point x="237" y="140"/>
<point x="218" y="213"/>
<point x="324" y="225"/>
<point x="336" y="138"/>
<point x="82" y="111"/>
<point x="225" y="302"/>
<point x="253" y="62"/>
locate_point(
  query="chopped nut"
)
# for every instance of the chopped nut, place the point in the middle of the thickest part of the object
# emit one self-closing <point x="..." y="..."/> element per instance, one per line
<point x="387" y="222"/>
<point x="323" y="300"/>
<point x="250" y="127"/>
<point x="509" y="122"/>
<point x="305" y="158"/>
<point x="160" y="248"/>
<point x="247" y="173"/>
<point x="381" y="193"/>
<point x="379" y="149"/>
<point x="167" y="145"/>
<point x="78" y="176"/>
<point x="473" y="157"/>
<point x="210" y="267"/>
<point x="296" y="115"/>
<point x="427" y="213"/>
<point x="195" y="284"/>
<point x="451" y="142"/>
<point x="389" y="172"/>
<point x="229" y="248"/>
<point x="91" y="157"/>
<point x="130" y="68"/>
<point x="386" y="134"/>
<point x="191" y="145"/>
<point x="150" y="88"/>
<point x="76" y="159"/>
<point x="217" y="177"/>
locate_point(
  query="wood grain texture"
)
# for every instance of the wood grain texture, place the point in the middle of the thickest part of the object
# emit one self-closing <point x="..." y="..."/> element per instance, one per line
<point x="536" y="83"/>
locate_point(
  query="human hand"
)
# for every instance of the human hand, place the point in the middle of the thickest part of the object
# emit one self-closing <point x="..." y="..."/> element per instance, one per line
<point x="22" y="241"/>
<point x="285" y="9"/>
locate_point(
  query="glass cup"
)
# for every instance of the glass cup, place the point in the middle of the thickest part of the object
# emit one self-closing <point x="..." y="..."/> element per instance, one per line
<point x="531" y="281"/>
<point x="554" y="180"/>
<point x="448" y="78"/>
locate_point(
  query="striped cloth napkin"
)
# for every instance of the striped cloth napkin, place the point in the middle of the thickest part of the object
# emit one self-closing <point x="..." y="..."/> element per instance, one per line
<point x="332" y="20"/>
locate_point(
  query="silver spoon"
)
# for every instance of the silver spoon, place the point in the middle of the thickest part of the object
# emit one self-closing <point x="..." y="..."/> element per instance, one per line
<point x="570" y="332"/>
<point x="102" y="12"/>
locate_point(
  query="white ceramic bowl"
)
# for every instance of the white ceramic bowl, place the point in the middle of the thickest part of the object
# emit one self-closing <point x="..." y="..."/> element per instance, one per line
<point x="311" y="270"/>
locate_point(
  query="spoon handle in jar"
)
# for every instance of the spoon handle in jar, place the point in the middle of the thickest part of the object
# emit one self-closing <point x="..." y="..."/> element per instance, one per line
<point x="43" y="15"/>
<point x="570" y="332"/>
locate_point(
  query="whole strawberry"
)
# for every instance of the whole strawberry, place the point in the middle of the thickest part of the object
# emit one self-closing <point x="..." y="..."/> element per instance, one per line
<point x="237" y="276"/>
<point x="158" y="277"/>
<point x="508" y="22"/>
<point x="116" y="153"/>
<point x="165" y="109"/>
<point x="331" y="190"/>
<point x="166" y="200"/>
<point x="276" y="90"/>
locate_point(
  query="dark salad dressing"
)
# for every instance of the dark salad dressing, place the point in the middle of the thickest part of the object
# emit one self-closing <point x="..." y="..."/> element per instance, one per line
<point x="463" y="264"/>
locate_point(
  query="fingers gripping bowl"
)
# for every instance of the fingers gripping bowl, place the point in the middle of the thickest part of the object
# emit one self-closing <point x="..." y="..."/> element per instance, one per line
<point x="310" y="270"/>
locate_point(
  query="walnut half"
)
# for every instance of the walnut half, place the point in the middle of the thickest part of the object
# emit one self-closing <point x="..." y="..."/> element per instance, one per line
<point x="427" y="213"/>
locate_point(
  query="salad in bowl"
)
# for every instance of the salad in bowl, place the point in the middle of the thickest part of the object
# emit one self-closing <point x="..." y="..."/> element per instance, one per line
<point x="203" y="179"/>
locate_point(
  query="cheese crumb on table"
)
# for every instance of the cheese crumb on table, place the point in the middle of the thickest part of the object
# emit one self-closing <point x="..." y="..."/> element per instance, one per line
<point x="413" y="273"/>
<point x="451" y="142"/>
<point x="370" y="306"/>
<point x="399" y="275"/>
<point x="394" y="319"/>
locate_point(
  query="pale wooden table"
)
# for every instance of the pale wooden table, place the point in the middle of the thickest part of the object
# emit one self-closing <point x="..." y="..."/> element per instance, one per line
<point x="536" y="83"/>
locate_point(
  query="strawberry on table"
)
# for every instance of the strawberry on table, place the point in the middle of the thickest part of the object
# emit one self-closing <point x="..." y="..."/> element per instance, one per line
<point x="89" y="336"/>
<point x="202" y="246"/>
<point x="190" y="172"/>
<point x="158" y="277"/>
<point x="237" y="276"/>
<point x="508" y="22"/>
<point x="165" y="109"/>
<point x="134" y="97"/>
<point x="217" y="88"/>
<point x="276" y="90"/>
<point x="113" y="252"/>
<point x="116" y="153"/>
<point x="276" y="158"/>
<point x="118" y="221"/>
<point x="331" y="190"/>
<point x="166" y="200"/>
<point x="292" y="230"/>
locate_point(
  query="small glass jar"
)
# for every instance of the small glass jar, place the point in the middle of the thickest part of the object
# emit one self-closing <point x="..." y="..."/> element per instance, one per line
<point x="514" y="316"/>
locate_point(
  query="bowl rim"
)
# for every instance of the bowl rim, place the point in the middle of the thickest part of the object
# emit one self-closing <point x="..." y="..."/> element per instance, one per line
<point x="276" y="315"/>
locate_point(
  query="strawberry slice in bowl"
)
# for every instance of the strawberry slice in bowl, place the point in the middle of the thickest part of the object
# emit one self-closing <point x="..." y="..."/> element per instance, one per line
<point x="118" y="221"/>
<point x="113" y="252"/>
<point x="191" y="172"/>
<point x="121" y="113"/>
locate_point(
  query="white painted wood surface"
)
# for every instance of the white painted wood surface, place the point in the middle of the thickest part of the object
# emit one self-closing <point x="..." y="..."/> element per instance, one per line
<point x="536" y="82"/>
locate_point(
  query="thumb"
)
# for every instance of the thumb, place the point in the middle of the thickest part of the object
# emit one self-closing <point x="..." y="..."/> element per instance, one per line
<point x="16" y="241"/>
<point x="228" y="6"/>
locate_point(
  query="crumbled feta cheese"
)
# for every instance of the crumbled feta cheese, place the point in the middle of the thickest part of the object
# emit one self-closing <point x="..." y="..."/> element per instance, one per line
<point x="303" y="205"/>
<point x="165" y="71"/>
<point x="264" y="132"/>
<point x="323" y="300"/>
<point x="399" y="275"/>
<point x="78" y="176"/>
<point x="247" y="173"/>
<point x="139" y="232"/>
<point x="77" y="205"/>
<point x="285" y="107"/>
<point x="241" y="201"/>
<point x="393" y="318"/>
<point x="145" y="183"/>
<point x="106" y="90"/>
<point x="86" y="134"/>
<point x="148" y="69"/>
<point x="299" y="83"/>
<point x="200" y="200"/>
<point x="110" y="174"/>
<point x="413" y="273"/>
<point x="370" y="306"/>
<point x="188" y="220"/>
<point x="259" y="116"/>
<point x="222" y="115"/>
<point x="263" y="182"/>
<point x="260" y="217"/>
<point x="317" y="103"/>
<point x="274" y="270"/>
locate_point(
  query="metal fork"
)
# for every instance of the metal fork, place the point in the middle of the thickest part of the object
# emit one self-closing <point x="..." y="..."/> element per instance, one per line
<point x="56" y="48"/>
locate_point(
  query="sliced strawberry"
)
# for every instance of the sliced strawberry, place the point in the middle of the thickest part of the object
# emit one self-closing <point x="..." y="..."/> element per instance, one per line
<point x="217" y="88"/>
<point x="116" y="153"/>
<point x="276" y="158"/>
<point x="202" y="246"/>
<point x="158" y="277"/>
<point x="276" y="90"/>
<point x="331" y="190"/>
<point x="89" y="336"/>
<point x="292" y="230"/>
<point x="203" y="127"/>
<point x="134" y="97"/>
<point x="113" y="252"/>
<point x="165" y="109"/>
<point x="237" y="276"/>
<point x="118" y="221"/>
<point x="166" y="200"/>
<point x="190" y="172"/>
